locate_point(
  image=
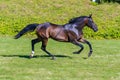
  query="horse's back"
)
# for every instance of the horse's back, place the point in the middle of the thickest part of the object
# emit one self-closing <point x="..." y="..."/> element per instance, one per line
<point x="50" y="30"/>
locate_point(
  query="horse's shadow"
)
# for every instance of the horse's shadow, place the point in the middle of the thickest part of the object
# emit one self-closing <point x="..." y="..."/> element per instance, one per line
<point x="35" y="56"/>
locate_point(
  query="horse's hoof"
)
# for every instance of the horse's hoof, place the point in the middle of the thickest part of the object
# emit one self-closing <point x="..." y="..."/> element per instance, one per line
<point x="90" y="54"/>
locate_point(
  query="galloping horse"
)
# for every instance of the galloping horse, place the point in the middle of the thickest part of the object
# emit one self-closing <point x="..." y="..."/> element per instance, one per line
<point x="70" y="32"/>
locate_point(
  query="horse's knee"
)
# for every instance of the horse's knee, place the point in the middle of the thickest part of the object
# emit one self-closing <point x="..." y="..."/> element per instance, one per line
<point x="43" y="48"/>
<point x="32" y="42"/>
<point x="81" y="46"/>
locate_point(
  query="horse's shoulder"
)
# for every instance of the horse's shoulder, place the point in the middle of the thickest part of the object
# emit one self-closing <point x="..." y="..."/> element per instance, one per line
<point x="47" y="24"/>
<point x="67" y="26"/>
<point x="70" y="26"/>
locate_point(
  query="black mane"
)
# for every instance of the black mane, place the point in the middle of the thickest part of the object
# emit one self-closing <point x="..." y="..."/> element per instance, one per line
<point x="76" y="18"/>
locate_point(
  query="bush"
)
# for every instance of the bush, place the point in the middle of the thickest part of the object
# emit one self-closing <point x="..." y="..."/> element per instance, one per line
<point x="101" y="1"/>
<point x="17" y="14"/>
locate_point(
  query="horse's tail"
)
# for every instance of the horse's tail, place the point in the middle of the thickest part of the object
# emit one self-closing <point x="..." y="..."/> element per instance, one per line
<point x="30" y="27"/>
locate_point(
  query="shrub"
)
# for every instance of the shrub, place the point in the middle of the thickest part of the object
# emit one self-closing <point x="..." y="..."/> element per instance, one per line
<point x="17" y="14"/>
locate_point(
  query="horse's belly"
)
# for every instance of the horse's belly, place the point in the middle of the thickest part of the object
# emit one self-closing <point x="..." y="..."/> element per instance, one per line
<point x="60" y="36"/>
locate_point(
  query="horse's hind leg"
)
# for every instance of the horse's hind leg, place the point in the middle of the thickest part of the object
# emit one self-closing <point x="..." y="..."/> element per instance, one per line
<point x="78" y="44"/>
<point x="43" y="47"/>
<point x="33" y="42"/>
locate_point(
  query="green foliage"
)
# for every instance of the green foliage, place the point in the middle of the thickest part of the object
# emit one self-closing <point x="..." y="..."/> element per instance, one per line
<point x="110" y="0"/>
<point x="94" y="3"/>
<point x="16" y="14"/>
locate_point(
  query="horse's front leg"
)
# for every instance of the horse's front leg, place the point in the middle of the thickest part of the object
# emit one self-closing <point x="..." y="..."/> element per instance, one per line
<point x="89" y="44"/>
<point x="78" y="44"/>
<point x="33" y="42"/>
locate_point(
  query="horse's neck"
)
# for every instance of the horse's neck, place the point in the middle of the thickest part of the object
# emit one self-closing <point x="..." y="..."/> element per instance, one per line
<point x="80" y="26"/>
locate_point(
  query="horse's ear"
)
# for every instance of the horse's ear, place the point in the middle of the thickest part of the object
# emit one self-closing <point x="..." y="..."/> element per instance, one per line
<point x="90" y="15"/>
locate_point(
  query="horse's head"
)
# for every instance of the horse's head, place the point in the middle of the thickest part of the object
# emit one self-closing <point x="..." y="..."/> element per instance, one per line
<point x="90" y="23"/>
<point x="84" y="20"/>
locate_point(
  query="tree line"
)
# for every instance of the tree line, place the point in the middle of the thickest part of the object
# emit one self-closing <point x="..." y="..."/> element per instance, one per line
<point x="101" y="1"/>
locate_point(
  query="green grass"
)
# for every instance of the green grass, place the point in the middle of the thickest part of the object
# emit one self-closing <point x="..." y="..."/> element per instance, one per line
<point x="104" y="64"/>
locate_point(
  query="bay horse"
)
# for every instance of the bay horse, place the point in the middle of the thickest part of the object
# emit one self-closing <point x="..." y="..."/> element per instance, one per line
<point x="69" y="32"/>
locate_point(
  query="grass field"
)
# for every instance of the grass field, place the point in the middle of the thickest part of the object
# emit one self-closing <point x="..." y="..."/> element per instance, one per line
<point x="104" y="64"/>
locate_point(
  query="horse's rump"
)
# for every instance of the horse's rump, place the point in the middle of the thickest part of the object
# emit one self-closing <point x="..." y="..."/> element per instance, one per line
<point x="54" y="31"/>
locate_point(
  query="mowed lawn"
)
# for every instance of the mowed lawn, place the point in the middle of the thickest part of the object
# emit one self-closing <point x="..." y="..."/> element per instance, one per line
<point x="15" y="64"/>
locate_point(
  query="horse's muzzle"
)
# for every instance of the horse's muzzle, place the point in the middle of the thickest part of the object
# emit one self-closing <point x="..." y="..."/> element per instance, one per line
<point x="95" y="30"/>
